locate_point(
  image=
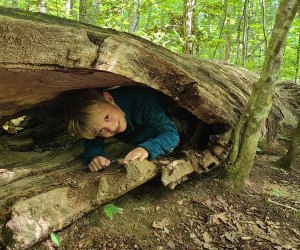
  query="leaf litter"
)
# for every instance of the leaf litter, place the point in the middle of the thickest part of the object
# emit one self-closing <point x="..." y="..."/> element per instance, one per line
<point x="188" y="218"/>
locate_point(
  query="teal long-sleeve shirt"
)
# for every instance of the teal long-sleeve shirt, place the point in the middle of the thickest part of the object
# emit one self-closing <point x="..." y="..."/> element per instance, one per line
<point x="148" y="126"/>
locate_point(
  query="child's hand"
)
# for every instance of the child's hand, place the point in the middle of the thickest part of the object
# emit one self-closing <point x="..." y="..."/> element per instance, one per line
<point x="138" y="153"/>
<point x="98" y="163"/>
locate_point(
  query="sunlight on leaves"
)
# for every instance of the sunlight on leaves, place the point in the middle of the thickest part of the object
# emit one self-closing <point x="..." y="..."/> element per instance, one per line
<point x="110" y="210"/>
<point x="14" y="125"/>
<point x="56" y="239"/>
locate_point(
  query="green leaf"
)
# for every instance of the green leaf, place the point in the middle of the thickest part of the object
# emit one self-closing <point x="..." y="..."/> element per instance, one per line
<point x="56" y="239"/>
<point x="276" y="193"/>
<point x="258" y="150"/>
<point x="110" y="210"/>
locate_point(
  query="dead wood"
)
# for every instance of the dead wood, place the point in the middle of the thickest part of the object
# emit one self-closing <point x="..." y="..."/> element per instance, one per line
<point x="42" y="56"/>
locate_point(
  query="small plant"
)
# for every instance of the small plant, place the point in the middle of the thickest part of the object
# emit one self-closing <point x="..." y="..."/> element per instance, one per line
<point x="56" y="239"/>
<point x="110" y="210"/>
<point x="258" y="150"/>
<point x="276" y="193"/>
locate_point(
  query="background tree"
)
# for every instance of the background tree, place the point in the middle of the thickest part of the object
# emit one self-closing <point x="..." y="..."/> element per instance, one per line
<point x="287" y="160"/>
<point x="247" y="132"/>
<point x="243" y="33"/>
<point x="188" y="24"/>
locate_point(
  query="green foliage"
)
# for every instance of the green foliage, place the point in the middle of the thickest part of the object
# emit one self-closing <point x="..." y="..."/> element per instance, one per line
<point x="110" y="210"/>
<point x="56" y="239"/>
<point x="276" y="193"/>
<point x="161" y="21"/>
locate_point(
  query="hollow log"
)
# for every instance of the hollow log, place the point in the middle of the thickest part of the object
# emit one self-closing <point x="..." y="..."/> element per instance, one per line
<point x="42" y="56"/>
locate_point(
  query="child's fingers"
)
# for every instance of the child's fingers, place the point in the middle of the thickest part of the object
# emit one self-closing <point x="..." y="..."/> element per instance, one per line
<point x="93" y="166"/>
<point x="143" y="157"/>
<point x="135" y="156"/>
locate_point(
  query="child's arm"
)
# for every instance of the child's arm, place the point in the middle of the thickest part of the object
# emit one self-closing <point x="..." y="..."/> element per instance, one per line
<point x="167" y="137"/>
<point x="92" y="148"/>
<point x="166" y="140"/>
<point x="94" y="154"/>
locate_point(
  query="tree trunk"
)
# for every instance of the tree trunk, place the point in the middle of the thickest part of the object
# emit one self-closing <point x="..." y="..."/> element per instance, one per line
<point x="134" y="17"/>
<point x="263" y="7"/>
<point x="188" y="25"/>
<point x="288" y="159"/>
<point x="59" y="55"/>
<point x="248" y="129"/>
<point x="238" y="42"/>
<point x="228" y="41"/>
<point x="245" y="32"/>
<point x="68" y="8"/>
<point x="297" y="60"/>
<point x="42" y="6"/>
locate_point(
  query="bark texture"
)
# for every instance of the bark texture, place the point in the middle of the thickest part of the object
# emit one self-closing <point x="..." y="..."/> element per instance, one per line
<point x="45" y="188"/>
<point x="248" y="128"/>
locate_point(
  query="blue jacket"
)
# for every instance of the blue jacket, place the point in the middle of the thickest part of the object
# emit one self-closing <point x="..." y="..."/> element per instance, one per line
<point x="148" y="126"/>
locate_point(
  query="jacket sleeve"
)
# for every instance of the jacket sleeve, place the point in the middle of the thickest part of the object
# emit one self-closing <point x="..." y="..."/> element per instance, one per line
<point x="92" y="148"/>
<point x="167" y="137"/>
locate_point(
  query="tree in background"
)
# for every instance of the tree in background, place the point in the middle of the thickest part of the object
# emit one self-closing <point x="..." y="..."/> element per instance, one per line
<point x="188" y="25"/>
<point x="248" y="129"/>
<point x="287" y="160"/>
<point x="230" y="30"/>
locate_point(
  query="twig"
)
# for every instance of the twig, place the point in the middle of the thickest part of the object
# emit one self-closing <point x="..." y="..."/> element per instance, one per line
<point x="282" y="205"/>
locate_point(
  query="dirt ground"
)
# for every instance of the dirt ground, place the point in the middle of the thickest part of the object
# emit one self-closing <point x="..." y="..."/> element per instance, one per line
<point x="197" y="214"/>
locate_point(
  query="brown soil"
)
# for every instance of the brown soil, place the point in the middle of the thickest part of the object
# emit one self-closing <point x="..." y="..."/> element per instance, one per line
<point x="198" y="215"/>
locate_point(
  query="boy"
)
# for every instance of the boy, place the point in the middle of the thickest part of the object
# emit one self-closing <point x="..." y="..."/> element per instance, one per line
<point x="131" y="114"/>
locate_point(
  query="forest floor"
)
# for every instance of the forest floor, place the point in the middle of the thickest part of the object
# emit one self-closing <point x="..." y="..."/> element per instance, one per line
<point x="198" y="214"/>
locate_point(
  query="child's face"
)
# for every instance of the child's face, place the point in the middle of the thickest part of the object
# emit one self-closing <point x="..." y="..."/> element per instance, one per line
<point x="111" y="121"/>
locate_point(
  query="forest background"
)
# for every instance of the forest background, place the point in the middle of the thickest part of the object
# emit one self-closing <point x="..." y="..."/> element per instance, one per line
<point x="235" y="31"/>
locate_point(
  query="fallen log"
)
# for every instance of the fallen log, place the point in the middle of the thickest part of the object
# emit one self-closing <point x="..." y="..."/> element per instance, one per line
<point x="42" y="56"/>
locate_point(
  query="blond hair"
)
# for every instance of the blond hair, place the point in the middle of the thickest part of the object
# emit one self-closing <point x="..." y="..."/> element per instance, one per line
<point x="84" y="107"/>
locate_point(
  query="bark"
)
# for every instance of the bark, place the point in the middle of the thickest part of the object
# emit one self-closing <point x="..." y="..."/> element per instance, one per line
<point x="68" y="8"/>
<point x="245" y="32"/>
<point x="134" y="17"/>
<point x="42" y="6"/>
<point x="188" y="25"/>
<point x="247" y="131"/>
<point x="287" y="160"/>
<point x="263" y="6"/>
<point x="41" y="59"/>
<point x="228" y="41"/>
<point x="297" y="60"/>
<point x="238" y="41"/>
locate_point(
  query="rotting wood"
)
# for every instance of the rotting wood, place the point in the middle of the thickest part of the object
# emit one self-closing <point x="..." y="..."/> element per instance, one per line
<point x="84" y="57"/>
<point x="34" y="218"/>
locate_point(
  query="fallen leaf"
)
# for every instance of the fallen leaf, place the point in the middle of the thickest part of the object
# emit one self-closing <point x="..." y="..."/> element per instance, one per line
<point x="206" y="237"/>
<point x="261" y="224"/>
<point x="161" y="224"/>
<point x="221" y="216"/>
<point x="231" y="236"/>
<point x="56" y="239"/>
<point x="180" y="202"/>
<point x="110" y="210"/>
